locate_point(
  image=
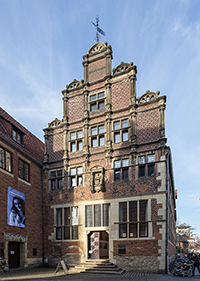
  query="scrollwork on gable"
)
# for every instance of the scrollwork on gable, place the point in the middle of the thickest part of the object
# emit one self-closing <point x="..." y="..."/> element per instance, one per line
<point x="98" y="47"/>
<point x="55" y="123"/>
<point x="148" y="97"/>
<point x="124" y="66"/>
<point x="74" y="85"/>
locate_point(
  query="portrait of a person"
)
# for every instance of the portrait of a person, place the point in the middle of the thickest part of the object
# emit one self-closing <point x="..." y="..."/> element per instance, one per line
<point x="17" y="213"/>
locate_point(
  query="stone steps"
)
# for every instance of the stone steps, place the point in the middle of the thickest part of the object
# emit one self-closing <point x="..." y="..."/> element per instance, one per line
<point x="97" y="266"/>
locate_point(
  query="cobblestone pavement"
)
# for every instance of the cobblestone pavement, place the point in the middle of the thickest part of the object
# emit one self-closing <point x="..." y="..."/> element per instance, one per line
<point x="48" y="274"/>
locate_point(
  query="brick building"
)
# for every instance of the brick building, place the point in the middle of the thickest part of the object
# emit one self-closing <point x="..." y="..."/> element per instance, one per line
<point x="21" y="158"/>
<point x="108" y="179"/>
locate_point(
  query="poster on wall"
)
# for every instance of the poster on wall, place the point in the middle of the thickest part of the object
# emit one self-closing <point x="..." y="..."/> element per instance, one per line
<point x="15" y="208"/>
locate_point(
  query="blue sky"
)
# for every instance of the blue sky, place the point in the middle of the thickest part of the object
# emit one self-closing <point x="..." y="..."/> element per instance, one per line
<point x="41" y="48"/>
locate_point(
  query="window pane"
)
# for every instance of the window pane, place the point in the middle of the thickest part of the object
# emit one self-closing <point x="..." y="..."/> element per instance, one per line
<point x="93" y="98"/>
<point x="8" y="161"/>
<point x="80" y="181"/>
<point x="59" y="174"/>
<point x="122" y="230"/>
<point x="2" y="165"/>
<point x="75" y="232"/>
<point x="143" y="229"/>
<point x="26" y="171"/>
<point x="117" y="164"/>
<point x="67" y="233"/>
<point x="53" y="184"/>
<point x="73" y="171"/>
<point x="141" y="159"/>
<point x="59" y="183"/>
<point x="18" y="138"/>
<point x="125" y="162"/>
<point x="88" y="214"/>
<point x="53" y="175"/>
<point x="67" y="216"/>
<point x="94" y="131"/>
<point x="141" y="171"/>
<point x="72" y="136"/>
<point x="117" y="175"/>
<point x="79" y="170"/>
<point x="125" y="136"/>
<point x="117" y="137"/>
<point x="101" y="140"/>
<point x="14" y="135"/>
<point x="133" y="230"/>
<point x="125" y="174"/>
<point x="93" y="107"/>
<point x="125" y="123"/>
<point x="97" y="215"/>
<point x="80" y="145"/>
<point x="123" y="212"/>
<point x="79" y="134"/>
<point x="94" y="142"/>
<point x="73" y="147"/>
<point x="133" y="211"/>
<point x="101" y="95"/>
<point x="74" y="215"/>
<point x="21" y="169"/>
<point x="59" y="217"/>
<point x="106" y="214"/>
<point x="101" y="129"/>
<point x="143" y="210"/>
<point x="151" y="158"/>
<point x="101" y="105"/>
<point x="58" y="233"/>
<point x="151" y="170"/>
<point x="116" y="125"/>
<point x="73" y="181"/>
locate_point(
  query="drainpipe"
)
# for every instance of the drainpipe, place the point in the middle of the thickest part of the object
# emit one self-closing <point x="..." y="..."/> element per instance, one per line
<point x="167" y="213"/>
<point x="42" y="217"/>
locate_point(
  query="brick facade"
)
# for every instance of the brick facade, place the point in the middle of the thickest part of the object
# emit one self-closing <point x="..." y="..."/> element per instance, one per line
<point x="30" y="150"/>
<point x="111" y="154"/>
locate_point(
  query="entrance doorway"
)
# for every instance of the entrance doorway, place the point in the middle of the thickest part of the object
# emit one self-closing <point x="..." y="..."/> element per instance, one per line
<point x="98" y="245"/>
<point x="14" y="254"/>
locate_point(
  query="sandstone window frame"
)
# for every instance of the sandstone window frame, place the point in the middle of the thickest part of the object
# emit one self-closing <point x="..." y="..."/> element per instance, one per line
<point x="120" y="132"/>
<point x="97" y="215"/>
<point x="97" y="101"/>
<point x="67" y="223"/>
<point x="121" y="170"/>
<point x="6" y="160"/>
<point x="75" y="140"/>
<point x="134" y="219"/>
<point x="75" y="176"/>
<point x="146" y="165"/>
<point x="56" y="179"/>
<point x="97" y="135"/>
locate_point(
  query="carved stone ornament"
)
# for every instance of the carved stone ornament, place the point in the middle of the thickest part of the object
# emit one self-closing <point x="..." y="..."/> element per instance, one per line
<point x="15" y="237"/>
<point x="74" y="85"/>
<point x="55" y="123"/>
<point x="98" y="47"/>
<point x="97" y="179"/>
<point x="148" y="97"/>
<point x="124" y="66"/>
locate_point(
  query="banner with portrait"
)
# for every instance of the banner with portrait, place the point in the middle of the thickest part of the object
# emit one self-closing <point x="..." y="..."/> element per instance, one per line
<point x="15" y="207"/>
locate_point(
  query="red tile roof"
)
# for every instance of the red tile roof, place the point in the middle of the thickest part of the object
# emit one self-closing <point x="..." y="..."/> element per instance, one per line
<point x="31" y="146"/>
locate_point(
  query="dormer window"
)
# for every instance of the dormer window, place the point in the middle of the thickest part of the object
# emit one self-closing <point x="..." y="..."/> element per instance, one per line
<point x="17" y="135"/>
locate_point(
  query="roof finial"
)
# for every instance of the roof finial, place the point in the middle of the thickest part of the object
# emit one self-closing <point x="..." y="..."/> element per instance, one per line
<point x="99" y="30"/>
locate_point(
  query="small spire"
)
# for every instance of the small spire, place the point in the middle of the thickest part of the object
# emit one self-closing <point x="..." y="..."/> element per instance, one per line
<point x="99" y="30"/>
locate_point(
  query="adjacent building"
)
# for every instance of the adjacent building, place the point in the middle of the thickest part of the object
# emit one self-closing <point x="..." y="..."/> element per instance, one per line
<point x="21" y="158"/>
<point x="108" y="179"/>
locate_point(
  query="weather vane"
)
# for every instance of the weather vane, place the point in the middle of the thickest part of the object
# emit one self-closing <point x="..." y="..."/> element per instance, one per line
<point x="99" y="30"/>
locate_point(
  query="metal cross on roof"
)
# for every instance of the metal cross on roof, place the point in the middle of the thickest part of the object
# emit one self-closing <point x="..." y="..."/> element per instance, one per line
<point x="99" y="30"/>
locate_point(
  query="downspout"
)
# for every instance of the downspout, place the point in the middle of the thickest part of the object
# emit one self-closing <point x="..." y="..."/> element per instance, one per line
<point x="167" y="214"/>
<point x="42" y="217"/>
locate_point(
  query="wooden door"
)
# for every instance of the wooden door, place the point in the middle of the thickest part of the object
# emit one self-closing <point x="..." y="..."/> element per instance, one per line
<point x="14" y="254"/>
<point x="95" y="245"/>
